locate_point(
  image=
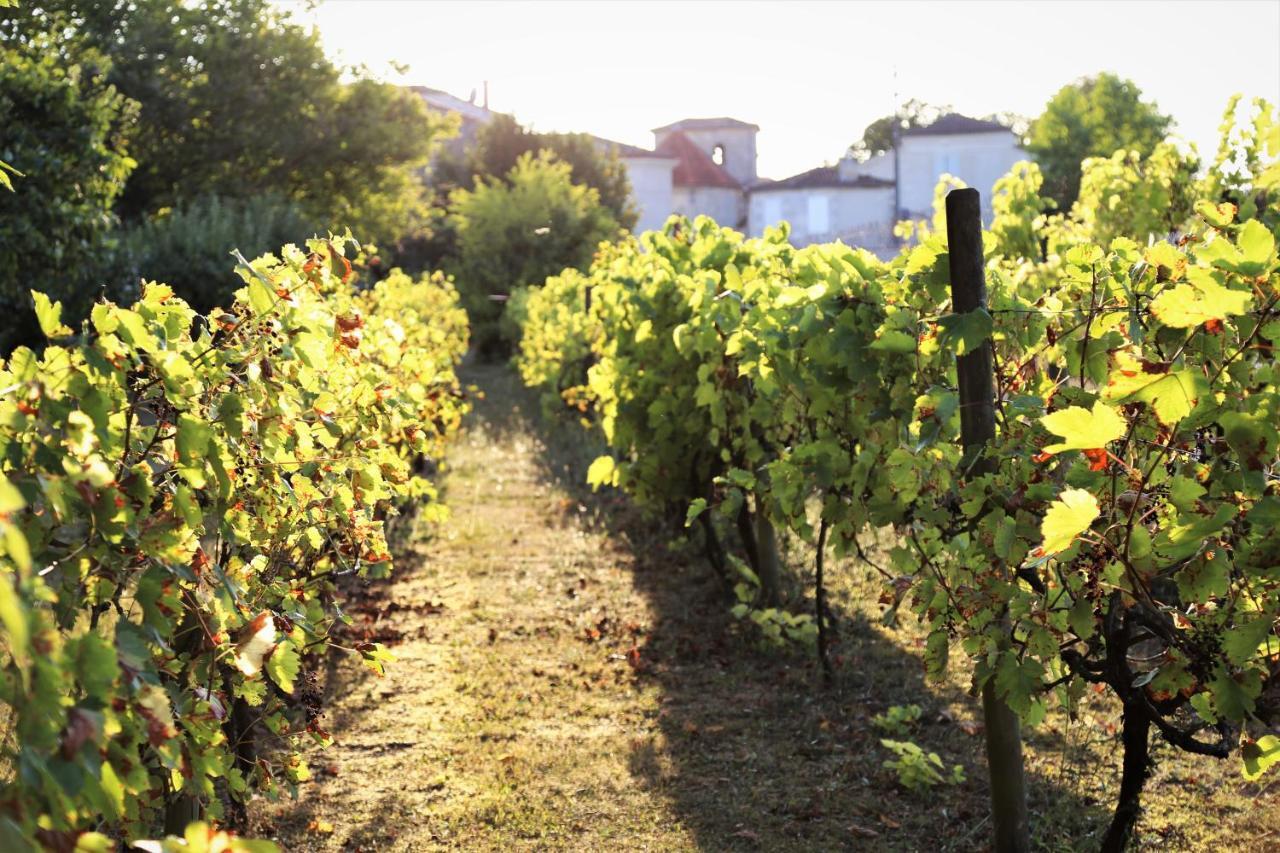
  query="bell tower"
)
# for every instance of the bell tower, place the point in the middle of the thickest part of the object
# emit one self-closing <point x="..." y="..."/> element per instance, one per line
<point x="730" y="143"/>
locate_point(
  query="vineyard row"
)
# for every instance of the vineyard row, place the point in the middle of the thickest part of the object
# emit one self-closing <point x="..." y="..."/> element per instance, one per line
<point x="182" y="496"/>
<point x="1123" y="526"/>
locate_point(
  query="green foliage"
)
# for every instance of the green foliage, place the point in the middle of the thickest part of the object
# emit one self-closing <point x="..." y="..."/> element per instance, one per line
<point x="897" y="720"/>
<point x="775" y="627"/>
<point x="1129" y="195"/>
<point x="878" y="137"/>
<point x="1092" y="117"/>
<point x="180" y="495"/>
<point x="236" y="100"/>
<point x="916" y="769"/>
<point x="1260" y="755"/>
<point x="5" y="172"/>
<point x="1132" y="483"/>
<point x="1019" y="212"/>
<point x="189" y="248"/>
<point x="501" y="143"/>
<point x="519" y="231"/>
<point x="62" y="125"/>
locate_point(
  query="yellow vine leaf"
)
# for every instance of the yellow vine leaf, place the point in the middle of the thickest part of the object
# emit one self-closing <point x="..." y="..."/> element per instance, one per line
<point x="1084" y="429"/>
<point x="1068" y="517"/>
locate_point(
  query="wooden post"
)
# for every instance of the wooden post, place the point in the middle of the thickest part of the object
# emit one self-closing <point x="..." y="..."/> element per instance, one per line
<point x="769" y="569"/>
<point x="974" y="371"/>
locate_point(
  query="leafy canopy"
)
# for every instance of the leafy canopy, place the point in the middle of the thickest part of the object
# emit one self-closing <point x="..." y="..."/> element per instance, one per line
<point x="520" y="230"/>
<point x="64" y="128"/>
<point x="236" y="100"/>
<point x="1128" y="497"/>
<point x="1092" y="117"/>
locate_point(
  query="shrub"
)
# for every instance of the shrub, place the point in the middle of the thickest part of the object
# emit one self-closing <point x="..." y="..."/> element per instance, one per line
<point x="190" y="248"/>
<point x="61" y="123"/>
<point x="520" y="232"/>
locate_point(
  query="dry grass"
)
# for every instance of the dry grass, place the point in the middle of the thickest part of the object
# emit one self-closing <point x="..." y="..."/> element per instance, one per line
<point x="566" y="680"/>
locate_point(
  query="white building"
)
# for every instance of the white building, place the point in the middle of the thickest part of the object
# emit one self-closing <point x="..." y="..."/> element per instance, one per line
<point x="708" y="166"/>
<point x="828" y="203"/>
<point x="976" y="151"/>
<point x="697" y="166"/>
<point x="860" y="201"/>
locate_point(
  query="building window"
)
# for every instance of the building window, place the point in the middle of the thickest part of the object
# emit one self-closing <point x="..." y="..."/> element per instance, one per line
<point x="717" y="155"/>
<point x="819" y="215"/>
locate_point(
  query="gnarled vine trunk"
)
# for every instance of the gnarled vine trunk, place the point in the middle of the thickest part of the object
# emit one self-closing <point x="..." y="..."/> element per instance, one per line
<point x="1137" y="764"/>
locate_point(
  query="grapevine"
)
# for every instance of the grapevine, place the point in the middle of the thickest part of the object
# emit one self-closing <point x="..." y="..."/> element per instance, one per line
<point x="1133" y="489"/>
<point x="181" y="495"/>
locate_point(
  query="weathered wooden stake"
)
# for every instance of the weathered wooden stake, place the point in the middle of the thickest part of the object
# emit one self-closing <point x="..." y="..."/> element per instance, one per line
<point x="974" y="371"/>
<point x="769" y="569"/>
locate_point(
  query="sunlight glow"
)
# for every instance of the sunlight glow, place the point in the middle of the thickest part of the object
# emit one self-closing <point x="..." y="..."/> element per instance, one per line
<point x="812" y="75"/>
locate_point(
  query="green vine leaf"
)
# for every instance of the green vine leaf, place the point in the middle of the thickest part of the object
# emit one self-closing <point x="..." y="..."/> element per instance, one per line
<point x="1259" y="756"/>
<point x="49" y="315"/>
<point x="283" y="666"/>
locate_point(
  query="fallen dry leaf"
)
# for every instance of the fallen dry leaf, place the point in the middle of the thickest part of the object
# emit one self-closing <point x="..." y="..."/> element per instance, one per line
<point x="320" y="827"/>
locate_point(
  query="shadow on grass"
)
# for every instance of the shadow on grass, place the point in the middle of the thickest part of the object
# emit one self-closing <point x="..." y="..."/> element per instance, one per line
<point x="753" y="753"/>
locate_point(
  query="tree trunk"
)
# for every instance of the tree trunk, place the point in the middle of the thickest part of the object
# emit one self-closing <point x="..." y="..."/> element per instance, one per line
<point x="975" y="377"/>
<point x="1004" y="760"/>
<point x="182" y="809"/>
<point x="1137" y="763"/>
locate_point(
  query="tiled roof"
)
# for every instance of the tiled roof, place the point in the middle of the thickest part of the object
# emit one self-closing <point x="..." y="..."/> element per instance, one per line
<point x="452" y="103"/>
<point x="706" y="124"/>
<point x="955" y="123"/>
<point x="823" y="176"/>
<point x="694" y="167"/>
<point x="625" y="150"/>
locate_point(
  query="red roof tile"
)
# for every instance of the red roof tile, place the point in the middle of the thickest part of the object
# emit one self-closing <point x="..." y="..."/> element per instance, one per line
<point x="694" y="167"/>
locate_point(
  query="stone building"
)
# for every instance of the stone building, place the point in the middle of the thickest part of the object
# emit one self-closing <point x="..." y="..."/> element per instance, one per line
<point x="714" y="173"/>
<point x="708" y="166"/>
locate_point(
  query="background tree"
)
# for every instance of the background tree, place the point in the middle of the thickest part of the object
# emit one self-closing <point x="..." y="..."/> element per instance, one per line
<point x="241" y="120"/>
<point x="519" y="230"/>
<point x="236" y="100"/>
<point x="497" y="147"/>
<point x="878" y="137"/>
<point x="189" y="247"/>
<point x="502" y="142"/>
<point x="1092" y="117"/>
<point x="63" y="130"/>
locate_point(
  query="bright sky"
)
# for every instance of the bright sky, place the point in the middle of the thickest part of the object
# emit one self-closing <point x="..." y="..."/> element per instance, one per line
<point x="812" y="75"/>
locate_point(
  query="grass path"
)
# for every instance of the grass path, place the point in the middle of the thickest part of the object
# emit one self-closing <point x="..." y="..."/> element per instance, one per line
<point x="509" y="717"/>
<point x="565" y="681"/>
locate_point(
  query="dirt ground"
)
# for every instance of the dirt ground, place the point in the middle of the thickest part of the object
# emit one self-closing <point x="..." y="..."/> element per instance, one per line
<point x="569" y="678"/>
